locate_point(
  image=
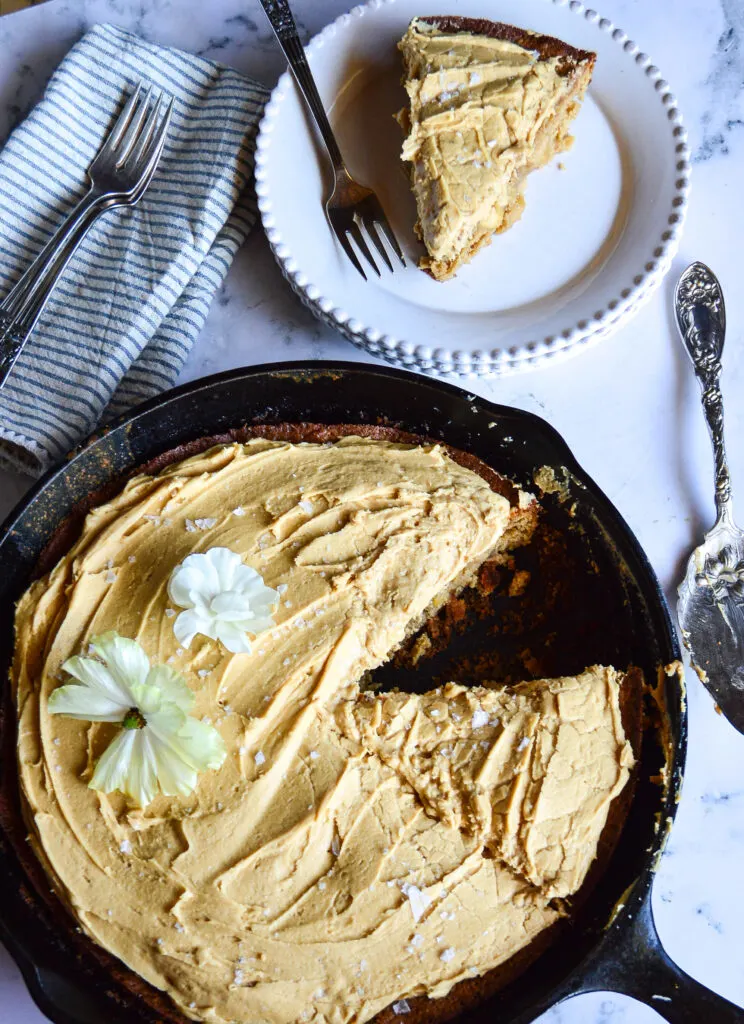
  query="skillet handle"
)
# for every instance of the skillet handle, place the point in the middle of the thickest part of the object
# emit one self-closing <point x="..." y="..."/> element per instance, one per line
<point x="637" y="965"/>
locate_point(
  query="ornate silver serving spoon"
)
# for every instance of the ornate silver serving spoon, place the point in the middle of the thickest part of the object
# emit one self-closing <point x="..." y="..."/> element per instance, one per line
<point x="711" y="596"/>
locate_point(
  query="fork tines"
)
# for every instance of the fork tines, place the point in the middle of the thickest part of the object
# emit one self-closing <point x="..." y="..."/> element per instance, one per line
<point x="347" y="223"/>
<point x="133" y="146"/>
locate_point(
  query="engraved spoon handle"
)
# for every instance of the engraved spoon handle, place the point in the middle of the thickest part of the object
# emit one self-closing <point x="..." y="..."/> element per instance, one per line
<point x="701" y="319"/>
<point x="285" y="29"/>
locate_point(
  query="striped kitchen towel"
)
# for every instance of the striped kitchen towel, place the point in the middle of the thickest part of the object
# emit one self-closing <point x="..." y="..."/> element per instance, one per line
<point x="133" y="300"/>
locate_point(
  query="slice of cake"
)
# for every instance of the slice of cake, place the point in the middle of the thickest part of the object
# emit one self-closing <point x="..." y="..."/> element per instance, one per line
<point x="488" y="103"/>
<point x="531" y="770"/>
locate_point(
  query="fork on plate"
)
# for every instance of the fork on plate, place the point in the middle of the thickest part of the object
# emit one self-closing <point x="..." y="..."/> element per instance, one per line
<point x="351" y="206"/>
<point x="119" y="175"/>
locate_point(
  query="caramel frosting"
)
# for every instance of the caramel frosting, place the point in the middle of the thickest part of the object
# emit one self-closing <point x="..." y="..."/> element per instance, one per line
<point x="335" y="862"/>
<point x="530" y="771"/>
<point x="479" y="105"/>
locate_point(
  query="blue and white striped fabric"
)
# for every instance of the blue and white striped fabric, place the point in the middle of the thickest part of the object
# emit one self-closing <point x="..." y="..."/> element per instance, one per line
<point x="133" y="300"/>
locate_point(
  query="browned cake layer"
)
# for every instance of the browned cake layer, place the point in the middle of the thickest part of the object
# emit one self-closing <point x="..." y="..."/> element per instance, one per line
<point x="546" y="46"/>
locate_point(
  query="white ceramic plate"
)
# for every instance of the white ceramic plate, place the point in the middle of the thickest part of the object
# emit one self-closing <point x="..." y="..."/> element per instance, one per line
<point x="595" y="239"/>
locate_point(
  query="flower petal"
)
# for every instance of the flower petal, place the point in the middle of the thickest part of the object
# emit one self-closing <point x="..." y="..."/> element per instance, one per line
<point x="232" y="637"/>
<point x="124" y="658"/>
<point x="256" y="626"/>
<point x="188" y="624"/>
<point x="98" y="678"/>
<point x="85" y="703"/>
<point x="113" y="765"/>
<point x="197" y="744"/>
<point x="226" y="564"/>
<point x="147" y="698"/>
<point x="142" y="781"/>
<point x="172" y="686"/>
<point x="186" y="582"/>
<point x="230" y="606"/>
<point x="175" y="776"/>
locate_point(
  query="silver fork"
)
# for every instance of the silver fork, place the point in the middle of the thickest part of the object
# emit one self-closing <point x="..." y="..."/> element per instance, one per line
<point x="351" y="206"/>
<point x="119" y="175"/>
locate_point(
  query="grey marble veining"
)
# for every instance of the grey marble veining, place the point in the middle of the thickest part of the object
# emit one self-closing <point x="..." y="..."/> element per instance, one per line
<point x="724" y="113"/>
<point x="629" y="408"/>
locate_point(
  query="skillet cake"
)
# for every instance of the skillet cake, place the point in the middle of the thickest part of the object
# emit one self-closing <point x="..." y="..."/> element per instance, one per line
<point x="488" y="103"/>
<point x="351" y="850"/>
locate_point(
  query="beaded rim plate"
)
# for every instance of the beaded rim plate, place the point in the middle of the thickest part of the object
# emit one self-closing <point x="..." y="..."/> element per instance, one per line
<point x="601" y="225"/>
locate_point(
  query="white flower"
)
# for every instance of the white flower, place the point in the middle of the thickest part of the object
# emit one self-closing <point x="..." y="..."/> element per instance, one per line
<point x="224" y="600"/>
<point x="160" y="745"/>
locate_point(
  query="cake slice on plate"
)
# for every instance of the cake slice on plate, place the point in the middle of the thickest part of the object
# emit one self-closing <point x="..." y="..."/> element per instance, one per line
<point x="488" y="103"/>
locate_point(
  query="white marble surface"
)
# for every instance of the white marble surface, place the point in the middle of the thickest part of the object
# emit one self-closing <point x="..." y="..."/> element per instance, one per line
<point x="628" y="408"/>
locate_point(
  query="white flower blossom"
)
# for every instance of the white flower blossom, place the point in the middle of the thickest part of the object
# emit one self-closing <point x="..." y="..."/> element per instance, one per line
<point x="160" y="747"/>
<point x="223" y="599"/>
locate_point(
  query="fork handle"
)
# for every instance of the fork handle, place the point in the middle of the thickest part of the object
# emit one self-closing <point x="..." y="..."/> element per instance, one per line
<point x="35" y="278"/>
<point x="33" y="290"/>
<point x="285" y="29"/>
<point x="12" y="340"/>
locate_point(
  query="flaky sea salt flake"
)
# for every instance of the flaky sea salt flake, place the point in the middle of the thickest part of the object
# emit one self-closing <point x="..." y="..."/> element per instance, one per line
<point x="205" y="523"/>
<point x="480" y="718"/>
<point x="401" y="1006"/>
<point x="418" y="900"/>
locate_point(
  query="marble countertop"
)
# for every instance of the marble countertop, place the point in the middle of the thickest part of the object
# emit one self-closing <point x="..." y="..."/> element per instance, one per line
<point x="628" y="408"/>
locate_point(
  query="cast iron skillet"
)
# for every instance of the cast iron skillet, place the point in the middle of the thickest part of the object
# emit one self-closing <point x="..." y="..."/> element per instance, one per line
<point x="613" y="942"/>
